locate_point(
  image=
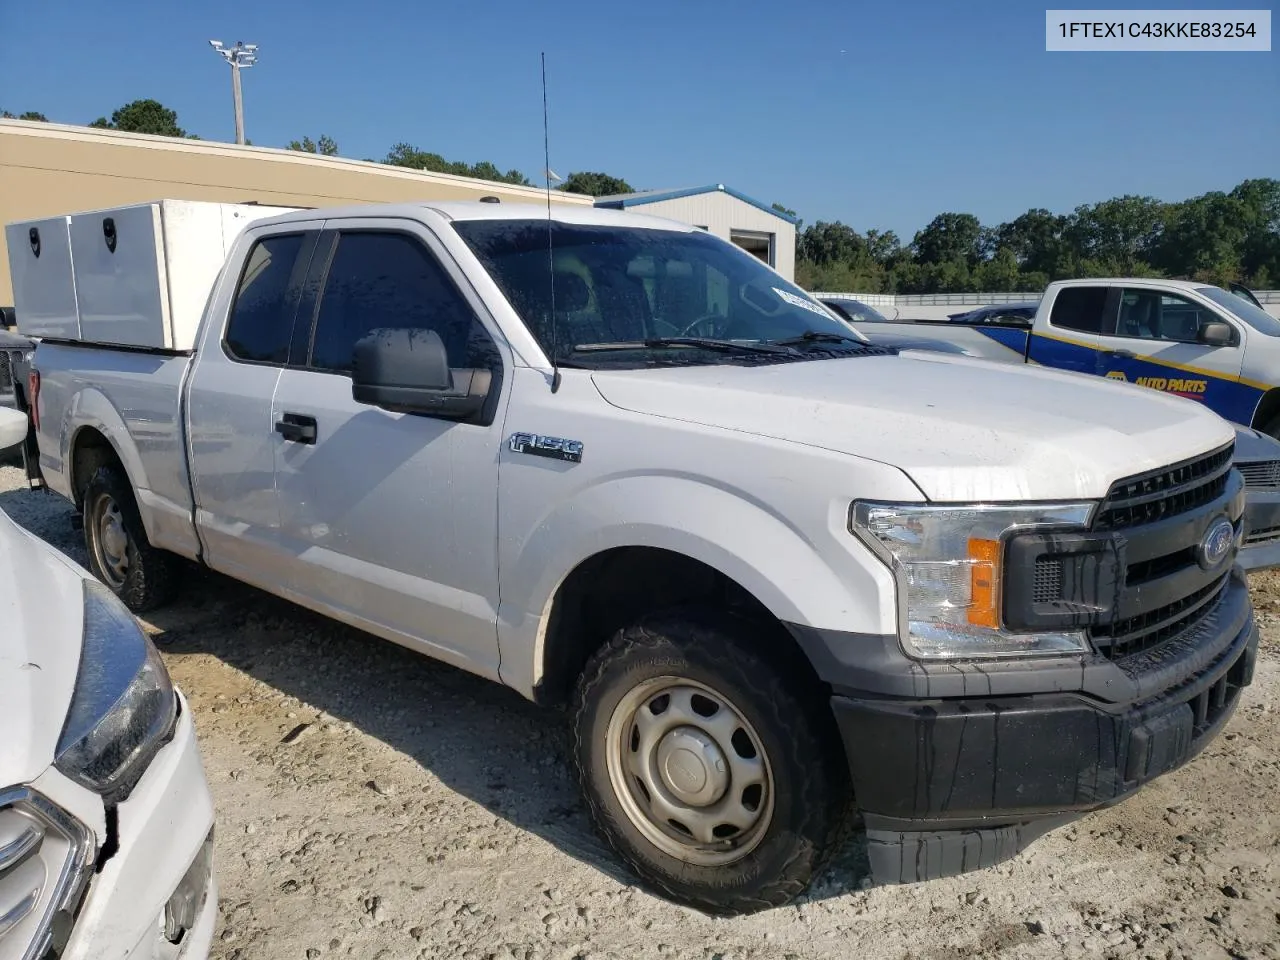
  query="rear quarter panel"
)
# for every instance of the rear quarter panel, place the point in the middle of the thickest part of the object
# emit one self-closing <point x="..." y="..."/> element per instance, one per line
<point x="132" y="399"/>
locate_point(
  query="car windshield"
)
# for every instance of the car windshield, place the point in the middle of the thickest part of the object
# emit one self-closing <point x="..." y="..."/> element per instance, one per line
<point x="858" y="310"/>
<point x="1250" y="313"/>
<point x="629" y="294"/>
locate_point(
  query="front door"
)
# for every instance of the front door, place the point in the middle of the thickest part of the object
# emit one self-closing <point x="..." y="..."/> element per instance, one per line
<point x="389" y="520"/>
<point x="228" y="407"/>
<point x="1154" y="342"/>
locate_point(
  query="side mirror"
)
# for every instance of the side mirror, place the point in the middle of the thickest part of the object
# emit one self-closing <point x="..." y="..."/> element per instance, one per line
<point x="407" y="371"/>
<point x="13" y="427"/>
<point x="1215" y="333"/>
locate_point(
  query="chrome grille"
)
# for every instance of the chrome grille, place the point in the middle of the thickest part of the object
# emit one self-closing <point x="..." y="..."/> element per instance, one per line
<point x="1263" y="473"/>
<point x="1167" y="492"/>
<point x="45" y="857"/>
<point x="1263" y="535"/>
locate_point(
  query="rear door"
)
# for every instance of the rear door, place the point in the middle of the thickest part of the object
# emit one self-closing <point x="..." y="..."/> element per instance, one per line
<point x="233" y="381"/>
<point x="389" y="520"/>
<point x="1068" y="338"/>
<point x="1153" y="341"/>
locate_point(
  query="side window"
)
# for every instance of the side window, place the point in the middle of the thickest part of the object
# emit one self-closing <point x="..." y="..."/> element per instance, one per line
<point x="385" y="280"/>
<point x="1152" y="315"/>
<point x="261" y="319"/>
<point x="1079" y="308"/>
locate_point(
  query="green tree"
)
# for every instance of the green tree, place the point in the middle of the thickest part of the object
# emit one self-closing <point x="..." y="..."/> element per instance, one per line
<point x="883" y="245"/>
<point x="407" y="155"/>
<point x="1035" y="239"/>
<point x="949" y="237"/>
<point x="326" y="146"/>
<point x="28" y="115"/>
<point x="1119" y="234"/>
<point x="595" y="184"/>
<point x="824" y="243"/>
<point x="1260" y="251"/>
<point x="143" y="116"/>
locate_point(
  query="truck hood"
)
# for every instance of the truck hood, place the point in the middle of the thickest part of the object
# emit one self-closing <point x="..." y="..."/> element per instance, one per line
<point x="41" y="609"/>
<point x="963" y="429"/>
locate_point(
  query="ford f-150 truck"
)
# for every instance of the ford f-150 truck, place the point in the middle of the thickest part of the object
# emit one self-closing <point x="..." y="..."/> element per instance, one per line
<point x="622" y="466"/>
<point x="1189" y="339"/>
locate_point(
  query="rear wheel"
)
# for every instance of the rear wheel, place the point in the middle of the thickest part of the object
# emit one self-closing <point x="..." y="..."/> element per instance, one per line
<point x="705" y="766"/>
<point x="120" y="555"/>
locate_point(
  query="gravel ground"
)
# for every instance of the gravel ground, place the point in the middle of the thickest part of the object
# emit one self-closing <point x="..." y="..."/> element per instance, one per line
<point x="375" y="804"/>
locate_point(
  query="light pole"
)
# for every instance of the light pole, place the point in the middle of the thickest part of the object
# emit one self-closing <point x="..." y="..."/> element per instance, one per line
<point x="241" y="55"/>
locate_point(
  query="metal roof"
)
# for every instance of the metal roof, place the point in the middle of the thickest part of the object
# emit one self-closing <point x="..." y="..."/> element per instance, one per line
<point x="621" y="200"/>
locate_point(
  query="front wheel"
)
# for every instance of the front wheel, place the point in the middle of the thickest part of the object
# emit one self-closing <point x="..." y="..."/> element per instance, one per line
<point x="705" y="765"/>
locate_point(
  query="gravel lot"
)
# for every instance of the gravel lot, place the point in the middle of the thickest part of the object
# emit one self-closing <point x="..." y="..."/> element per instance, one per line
<point x="375" y="804"/>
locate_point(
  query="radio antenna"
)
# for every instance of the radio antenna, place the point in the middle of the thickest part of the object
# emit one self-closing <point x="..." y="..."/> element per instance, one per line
<point x="551" y="257"/>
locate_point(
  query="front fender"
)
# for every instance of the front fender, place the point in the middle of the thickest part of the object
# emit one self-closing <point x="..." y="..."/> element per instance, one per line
<point x="805" y="568"/>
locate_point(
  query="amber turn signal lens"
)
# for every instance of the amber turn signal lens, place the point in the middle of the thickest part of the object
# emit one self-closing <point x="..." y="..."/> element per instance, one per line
<point x="984" y="577"/>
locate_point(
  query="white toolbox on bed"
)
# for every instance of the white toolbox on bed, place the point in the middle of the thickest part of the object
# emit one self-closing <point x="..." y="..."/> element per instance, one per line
<point x="132" y="276"/>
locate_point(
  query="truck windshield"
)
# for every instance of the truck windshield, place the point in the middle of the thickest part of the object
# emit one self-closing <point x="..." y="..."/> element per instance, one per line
<point x="630" y="292"/>
<point x="1251" y="314"/>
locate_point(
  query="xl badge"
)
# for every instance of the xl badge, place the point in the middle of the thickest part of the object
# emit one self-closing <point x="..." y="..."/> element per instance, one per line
<point x="1216" y="544"/>
<point x="554" y="448"/>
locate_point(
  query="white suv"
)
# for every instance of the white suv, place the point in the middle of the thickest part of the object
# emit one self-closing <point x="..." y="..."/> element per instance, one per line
<point x="106" y="822"/>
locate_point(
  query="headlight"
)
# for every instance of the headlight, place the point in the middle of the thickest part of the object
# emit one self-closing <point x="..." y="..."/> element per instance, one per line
<point x="948" y="563"/>
<point x="123" y="707"/>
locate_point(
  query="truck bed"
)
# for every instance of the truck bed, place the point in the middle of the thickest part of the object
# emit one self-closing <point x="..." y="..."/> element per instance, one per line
<point x="131" y="399"/>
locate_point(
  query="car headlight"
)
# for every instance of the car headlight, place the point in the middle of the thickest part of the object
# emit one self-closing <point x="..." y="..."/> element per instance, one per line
<point x="948" y="562"/>
<point x="124" y="707"/>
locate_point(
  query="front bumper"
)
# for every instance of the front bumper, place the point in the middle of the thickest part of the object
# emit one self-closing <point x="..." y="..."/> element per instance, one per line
<point x="1261" y="549"/>
<point x="951" y="783"/>
<point x="161" y="831"/>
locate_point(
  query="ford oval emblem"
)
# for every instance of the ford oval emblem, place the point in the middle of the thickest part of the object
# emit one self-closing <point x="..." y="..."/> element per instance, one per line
<point x="1216" y="544"/>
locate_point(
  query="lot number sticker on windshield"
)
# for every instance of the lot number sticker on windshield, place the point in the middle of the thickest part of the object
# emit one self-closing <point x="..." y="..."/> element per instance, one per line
<point x="800" y="302"/>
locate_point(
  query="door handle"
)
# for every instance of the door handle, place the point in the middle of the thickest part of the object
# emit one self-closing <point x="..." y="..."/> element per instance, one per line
<point x="1119" y="354"/>
<point x="297" y="428"/>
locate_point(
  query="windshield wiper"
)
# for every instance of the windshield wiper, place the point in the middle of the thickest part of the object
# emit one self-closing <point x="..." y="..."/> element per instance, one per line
<point x="816" y="336"/>
<point x="663" y="343"/>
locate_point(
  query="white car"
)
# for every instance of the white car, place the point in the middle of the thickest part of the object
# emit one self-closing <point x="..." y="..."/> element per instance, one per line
<point x="106" y="822"/>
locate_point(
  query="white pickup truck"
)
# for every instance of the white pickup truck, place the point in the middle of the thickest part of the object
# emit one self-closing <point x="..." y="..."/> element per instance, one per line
<point x="620" y="465"/>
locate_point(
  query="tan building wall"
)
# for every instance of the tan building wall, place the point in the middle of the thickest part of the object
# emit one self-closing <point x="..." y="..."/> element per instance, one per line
<point x="49" y="169"/>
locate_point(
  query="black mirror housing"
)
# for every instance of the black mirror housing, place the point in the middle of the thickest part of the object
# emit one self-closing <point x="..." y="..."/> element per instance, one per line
<point x="1215" y="333"/>
<point x="407" y="371"/>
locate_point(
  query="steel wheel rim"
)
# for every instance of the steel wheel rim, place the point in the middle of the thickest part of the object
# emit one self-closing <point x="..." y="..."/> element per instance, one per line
<point x="110" y="540"/>
<point x="689" y="771"/>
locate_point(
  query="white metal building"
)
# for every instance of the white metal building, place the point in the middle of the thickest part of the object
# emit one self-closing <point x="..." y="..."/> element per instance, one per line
<point x="723" y="211"/>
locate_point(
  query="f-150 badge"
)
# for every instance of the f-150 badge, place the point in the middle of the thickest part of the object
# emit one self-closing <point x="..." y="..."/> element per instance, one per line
<point x="554" y="448"/>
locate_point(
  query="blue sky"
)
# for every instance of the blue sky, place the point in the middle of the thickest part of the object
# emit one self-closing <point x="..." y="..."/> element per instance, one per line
<point x="932" y="106"/>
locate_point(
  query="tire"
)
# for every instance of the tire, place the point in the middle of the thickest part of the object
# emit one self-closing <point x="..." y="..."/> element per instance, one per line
<point x="120" y="555"/>
<point x="698" y="659"/>
<point x="1272" y="429"/>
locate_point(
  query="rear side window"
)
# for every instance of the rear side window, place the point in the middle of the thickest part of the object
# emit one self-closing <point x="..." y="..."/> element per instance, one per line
<point x="1079" y="308"/>
<point x="262" y="314"/>
<point x="389" y="280"/>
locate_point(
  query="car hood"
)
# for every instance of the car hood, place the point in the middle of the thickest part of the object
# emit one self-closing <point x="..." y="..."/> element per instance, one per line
<point x="963" y="429"/>
<point x="1252" y="446"/>
<point x="41" y="609"/>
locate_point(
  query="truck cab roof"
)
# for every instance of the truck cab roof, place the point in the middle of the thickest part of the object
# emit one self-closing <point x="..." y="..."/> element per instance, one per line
<point x="476" y="210"/>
